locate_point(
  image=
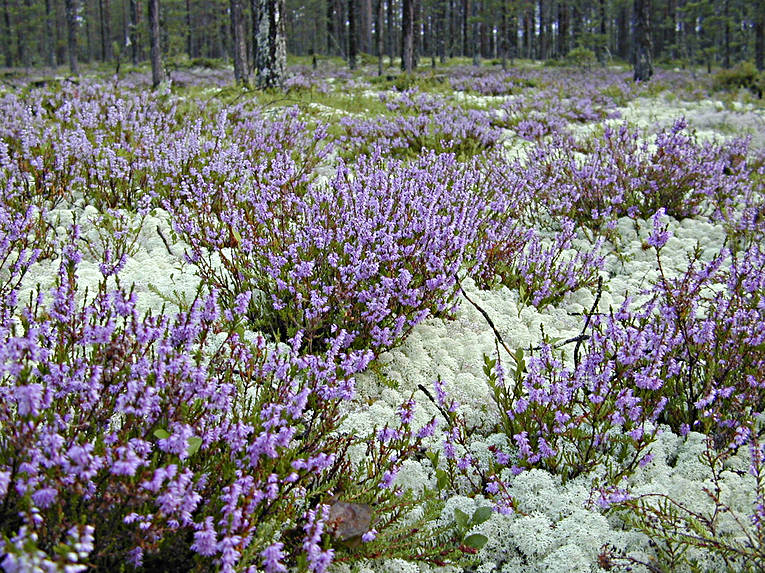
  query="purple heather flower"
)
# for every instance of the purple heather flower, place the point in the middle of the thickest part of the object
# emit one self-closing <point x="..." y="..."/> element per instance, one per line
<point x="272" y="558"/>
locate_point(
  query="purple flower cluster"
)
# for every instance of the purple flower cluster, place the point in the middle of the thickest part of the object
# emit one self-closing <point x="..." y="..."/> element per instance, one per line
<point x="357" y="262"/>
<point x="422" y="122"/>
<point x="620" y="176"/>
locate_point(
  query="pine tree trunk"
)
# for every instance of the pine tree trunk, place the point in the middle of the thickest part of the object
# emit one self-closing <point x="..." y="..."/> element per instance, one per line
<point x="643" y="62"/>
<point x="241" y="71"/>
<point x="601" y="46"/>
<point x="407" y="36"/>
<point x="272" y="46"/>
<point x="365" y="35"/>
<point x="106" y="29"/>
<point x="135" y="14"/>
<point x="7" y="47"/>
<point x="441" y="31"/>
<point x="352" y="51"/>
<point x="390" y="44"/>
<point x="71" y="29"/>
<point x="475" y="37"/>
<point x="465" y="33"/>
<point x="380" y="48"/>
<point x="726" y="36"/>
<point x="503" y="33"/>
<point x="157" y="70"/>
<point x="189" y="35"/>
<point x="50" y="41"/>
<point x="563" y="19"/>
<point x="759" y="37"/>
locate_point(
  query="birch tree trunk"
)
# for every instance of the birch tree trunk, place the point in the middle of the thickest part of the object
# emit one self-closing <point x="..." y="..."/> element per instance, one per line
<point x="272" y="46"/>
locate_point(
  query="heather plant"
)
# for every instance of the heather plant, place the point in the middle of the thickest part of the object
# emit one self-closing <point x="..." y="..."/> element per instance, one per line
<point x="620" y="176"/>
<point x="181" y="441"/>
<point x="542" y="270"/>
<point x="421" y="122"/>
<point x="714" y="312"/>
<point x="690" y="356"/>
<point x="693" y="537"/>
<point x="361" y="259"/>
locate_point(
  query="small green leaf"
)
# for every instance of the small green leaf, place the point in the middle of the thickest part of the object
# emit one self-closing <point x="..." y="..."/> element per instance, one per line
<point x="476" y="541"/>
<point x="161" y="434"/>
<point x="442" y="479"/>
<point x="482" y="514"/>
<point x="461" y="518"/>
<point x="194" y="444"/>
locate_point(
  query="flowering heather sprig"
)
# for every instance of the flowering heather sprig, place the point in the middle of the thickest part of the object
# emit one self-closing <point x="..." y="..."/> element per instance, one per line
<point x="543" y="271"/>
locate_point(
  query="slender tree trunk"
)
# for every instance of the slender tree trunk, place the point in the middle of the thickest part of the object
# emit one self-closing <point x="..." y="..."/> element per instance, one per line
<point x="254" y="21"/>
<point x="352" y="51"/>
<point x="407" y="36"/>
<point x="330" y="25"/>
<point x="475" y="39"/>
<point x="106" y="29"/>
<point x="759" y="37"/>
<point x="453" y="35"/>
<point x="379" y="17"/>
<point x="465" y="33"/>
<point x="600" y="50"/>
<point x="272" y="46"/>
<point x="135" y="14"/>
<point x="623" y="32"/>
<point x="643" y="62"/>
<point x="726" y="32"/>
<point x="189" y="33"/>
<point x="441" y="30"/>
<point x="390" y="44"/>
<point x="50" y="35"/>
<point x="157" y="69"/>
<point x="366" y="26"/>
<point x="241" y="71"/>
<point x="71" y="29"/>
<point x="563" y="25"/>
<point x="503" y="33"/>
<point x="542" y="53"/>
<point x="7" y="45"/>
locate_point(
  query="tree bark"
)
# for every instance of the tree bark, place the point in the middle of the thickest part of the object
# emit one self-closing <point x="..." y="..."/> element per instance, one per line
<point x="241" y="71"/>
<point x="71" y="28"/>
<point x="407" y="36"/>
<point x="465" y="33"/>
<point x="105" y="10"/>
<point x="379" y="17"/>
<point x="643" y="62"/>
<point x="135" y="15"/>
<point x="441" y="30"/>
<point x="759" y="37"/>
<point x="50" y="35"/>
<point x="352" y="51"/>
<point x="391" y="46"/>
<point x="157" y="69"/>
<point x="7" y="46"/>
<point x="272" y="46"/>
<point x="563" y="20"/>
